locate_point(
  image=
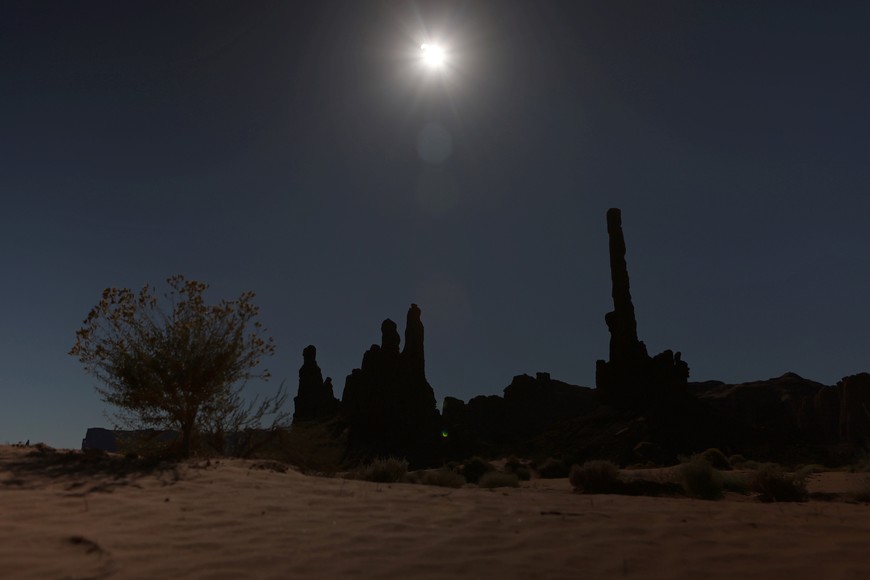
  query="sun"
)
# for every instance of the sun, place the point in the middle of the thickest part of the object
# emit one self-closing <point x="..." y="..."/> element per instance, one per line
<point x="433" y="55"/>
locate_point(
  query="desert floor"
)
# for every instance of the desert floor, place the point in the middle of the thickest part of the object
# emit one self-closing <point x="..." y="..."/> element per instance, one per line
<point x="65" y="518"/>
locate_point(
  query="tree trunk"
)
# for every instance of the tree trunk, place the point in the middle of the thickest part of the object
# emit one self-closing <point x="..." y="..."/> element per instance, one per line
<point x="186" y="431"/>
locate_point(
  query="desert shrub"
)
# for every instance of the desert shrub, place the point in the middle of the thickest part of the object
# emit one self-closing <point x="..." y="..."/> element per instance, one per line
<point x="595" y="477"/>
<point x="700" y="480"/>
<point x="736" y="460"/>
<point x="383" y="470"/>
<point x="804" y="471"/>
<point x="40" y="450"/>
<point x="552" y="468"/>
<point x="313" y="447"/>
<point x="149" y="443"/>
<point x="475" y="468"/>
<point x="716" y="459"/>
<point x="444" y="477"/>
<point x="774" y="484"/>
<point x="275" y="466"/>
<point x="522" y="472"/>
<point x="181" y="365"/>
<point x="735" y="482"/>
<point x="649" y="487"/>
<point x="495" y="479"/>
<point x="518" y="468"/>
<point x="861" y="466"/>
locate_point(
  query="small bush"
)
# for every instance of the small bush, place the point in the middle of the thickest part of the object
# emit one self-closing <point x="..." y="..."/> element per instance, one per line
<point x="495" y="479"/>
<point x="774" y="484"/>
<point x="700" y="480"/>
<point x="552" y="468"/>
<point x="803" y="472"/>
<point x="383" y="470"/>
<point x="737" y="460"/>
<point x="862" y="466"/>
<point x="523" y="473"/>
<point x="443" y="477"/>
<point x="595" y="477"/>
<point x="275" y="466"/>
<point x="475" y="468"/>
<point x="518" y="468"/>
<point x="315" y="448"/>
<point x="716" y="459"/>
<point x="736" y="483"/>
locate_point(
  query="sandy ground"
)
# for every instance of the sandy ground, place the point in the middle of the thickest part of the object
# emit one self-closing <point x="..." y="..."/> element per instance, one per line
<point x="232" y="520"/>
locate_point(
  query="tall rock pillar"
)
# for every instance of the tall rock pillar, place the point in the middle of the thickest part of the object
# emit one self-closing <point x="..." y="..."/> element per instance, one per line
<point x="413" y="352"/>
<point x="631" y="377"/>
<point x="621" y="322"/>
<point x="315" y="399"/>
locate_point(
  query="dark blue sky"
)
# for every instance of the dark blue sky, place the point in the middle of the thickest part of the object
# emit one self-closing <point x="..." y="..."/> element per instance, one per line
<point x="288" y="148"/>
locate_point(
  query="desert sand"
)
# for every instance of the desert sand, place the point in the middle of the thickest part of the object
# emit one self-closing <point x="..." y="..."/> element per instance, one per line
<point x="234" y="519"/>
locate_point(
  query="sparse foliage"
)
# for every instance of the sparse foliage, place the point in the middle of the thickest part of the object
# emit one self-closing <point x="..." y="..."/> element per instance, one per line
<point x="494" y="479"/>
<point x="552" y="468"/>
<point x="716" y="459"/>
<point x="700" y="480"/>
<point x="180" y="366"/>
<point x="383" y="470"/>
<point x="474" y="468"/>
<point x="443" y="477"/>
<point x="518" y="468"/>
<point x="595" y="476"/>
<point x="774" y="484"/>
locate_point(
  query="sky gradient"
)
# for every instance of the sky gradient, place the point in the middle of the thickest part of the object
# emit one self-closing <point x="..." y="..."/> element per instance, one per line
<point x="299" y="150"/>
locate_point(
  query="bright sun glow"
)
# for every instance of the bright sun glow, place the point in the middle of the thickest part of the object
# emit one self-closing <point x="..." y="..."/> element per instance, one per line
<point x="433" y="55"/>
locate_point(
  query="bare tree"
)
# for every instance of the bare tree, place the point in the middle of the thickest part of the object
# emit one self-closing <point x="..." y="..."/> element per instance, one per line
<point x="181" y="366"/>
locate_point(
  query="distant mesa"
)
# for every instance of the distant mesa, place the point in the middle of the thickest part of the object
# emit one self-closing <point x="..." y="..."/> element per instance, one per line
<point x="100" y="439"/>
<point x="120" y="440"/>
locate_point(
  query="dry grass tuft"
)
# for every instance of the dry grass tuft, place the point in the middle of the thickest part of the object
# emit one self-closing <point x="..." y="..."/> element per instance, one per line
<point x="444" y="477"/>
<point x="475" y="468"/>
<point x="700" y="480"/>
<point x="382" y="470"/>
<point x="596" y="476"/>
<point x="775" y="485"/>
<point x="495" y="479"/>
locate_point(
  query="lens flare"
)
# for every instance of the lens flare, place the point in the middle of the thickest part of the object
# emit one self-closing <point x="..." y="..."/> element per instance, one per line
<point x="433" y="55"/>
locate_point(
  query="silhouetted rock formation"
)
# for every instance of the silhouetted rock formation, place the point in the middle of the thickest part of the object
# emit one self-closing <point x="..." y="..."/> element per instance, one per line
<point x="530" y="407"/>
<point x="121" y="440"/>
<point x="855" y="409"/>
<point x="314" y="399"/>
<point x="99" y="438"/>
<point x="643" y="409"/>
<point x="791" y="418"/>
<point x="771" y="414"/>
<point x="388" y="404"/>
<point x="631" y="378"/>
